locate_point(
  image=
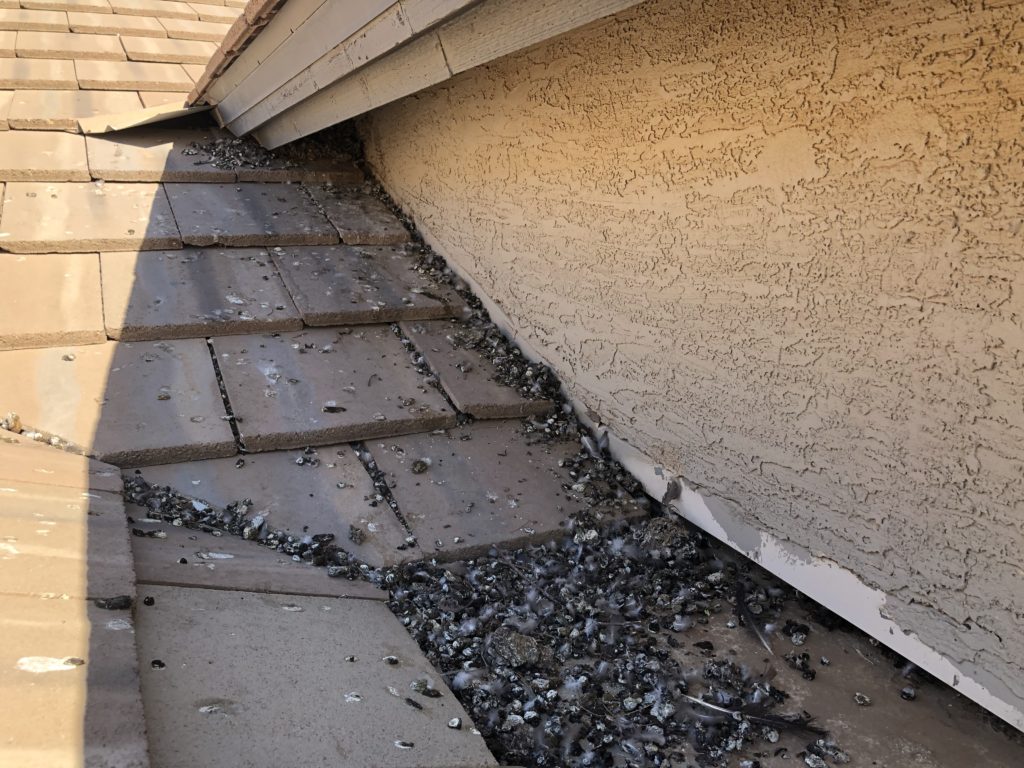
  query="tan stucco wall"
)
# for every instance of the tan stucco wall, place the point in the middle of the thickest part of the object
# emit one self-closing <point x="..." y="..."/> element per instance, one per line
<point x="778" y="247"/>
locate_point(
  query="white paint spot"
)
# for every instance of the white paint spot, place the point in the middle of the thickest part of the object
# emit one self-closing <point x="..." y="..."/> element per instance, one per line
<point x="214" y="556"/>
<point x="9" y="549"/>
<point x="119" y="625"/>
<point x="40" y="664"/>
<point x="352" y="697"/>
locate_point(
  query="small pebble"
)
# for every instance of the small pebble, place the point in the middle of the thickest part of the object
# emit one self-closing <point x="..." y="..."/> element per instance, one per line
<point x="909" y="693"/>
<point x="404" y="744"/>
<point x="862" y="699"/>
<point x="147" y="600"/>
<point x="455" y="723"/>
<point x="157" y="664"/>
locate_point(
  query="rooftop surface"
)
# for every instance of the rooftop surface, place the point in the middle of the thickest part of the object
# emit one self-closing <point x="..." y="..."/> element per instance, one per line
<point x="251" y="433"/>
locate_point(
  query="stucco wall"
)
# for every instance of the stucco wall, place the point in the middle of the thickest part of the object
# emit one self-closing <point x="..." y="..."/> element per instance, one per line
<point x="778" y="247"/>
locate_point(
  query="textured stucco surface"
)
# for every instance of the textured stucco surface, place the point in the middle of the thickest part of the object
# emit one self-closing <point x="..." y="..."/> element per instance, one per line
<point x="777" y="246"/>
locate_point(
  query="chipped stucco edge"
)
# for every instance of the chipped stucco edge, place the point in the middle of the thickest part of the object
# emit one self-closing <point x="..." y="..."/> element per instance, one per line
<point x="823" y="580"/>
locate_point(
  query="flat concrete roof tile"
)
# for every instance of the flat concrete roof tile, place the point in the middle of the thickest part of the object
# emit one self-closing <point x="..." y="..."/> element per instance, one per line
<point x="132" y="76"/>
<point x="195" y="71"/>
<point x="341" y="284"/>
<point x="6" y="99"/>
<point x="115" y="23"/>
<point x="124" y="403"/>
<point x="469" y="378"/>
<point x="159" y="98"/>
<point x="323" y="490"/>
<point x="86" y="6"/>
<point x="248" y="214"/>
<point x="50" y="300"/>
<point x="76" y="217"/>
<point x="69" y="45"/>
<point x="40" y="21"/>
<point x="195" y="30"/>
<point x="484" y="484"/>
<point x="43" y="156"/>
<point x="167" y="9"/>
<point x="8" y="44"/>
<point x="45" y="74"/>
<point x="168" y="50"/>
<point x="228" y="562"/>
<point x="22" y="459"/>
<point x="311" y="171"/>
<point x="88" y="714"/>
<point x="61" y="110"/>
<point x="194" y="293"/>
<point x="205" y="638"/>
<point x="154" y="153"/>
<point x="218" y="13"/>
<point x="359" y="218"/>
<point x="324" y="386"/>
<point x="70" y="541"/>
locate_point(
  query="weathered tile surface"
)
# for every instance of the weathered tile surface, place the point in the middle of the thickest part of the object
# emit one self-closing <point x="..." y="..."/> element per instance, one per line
<point x="228" y="562"/>
<point x="467" y="376"/>
<point x="359" y="218"/>
<point x="68" y="541"/>
<point x="154" y="153"/>
<point x="41" y="21"/>
<point x="50" y="299"/>
<point x="486" y="483"/>
<point x="280" y="386"/>
<point x="261" y="713"/>
<point x="168" y="50"/>
<point x="165" y="8"/>
<point x="37" y="73"/>
<point x="76" y="217"/>
<point x="43" y="156"/>
<point x="340" y="284"/>
<point x="248" y="214"/>
<point x="8" y="43"/>
<point x="159" y="98"/>
<point x="193" y="293"/>
<point x="69" y="45"/>
<point x="82" y="715"/>
<point x="61" y="110"/>
<point x="131" y="76"/>
<point x="327" y="492"/>
<point x="139" y="403"/>
<point x="195" y="30"/>
<point x="115" y="24"/>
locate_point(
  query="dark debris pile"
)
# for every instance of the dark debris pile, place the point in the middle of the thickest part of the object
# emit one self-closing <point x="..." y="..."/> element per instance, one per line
<point x="569" y="653"/>
<point x="230" y="153"/>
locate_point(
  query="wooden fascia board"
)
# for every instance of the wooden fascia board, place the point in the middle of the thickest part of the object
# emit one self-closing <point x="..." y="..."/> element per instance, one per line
<point x="484" y="32"/>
